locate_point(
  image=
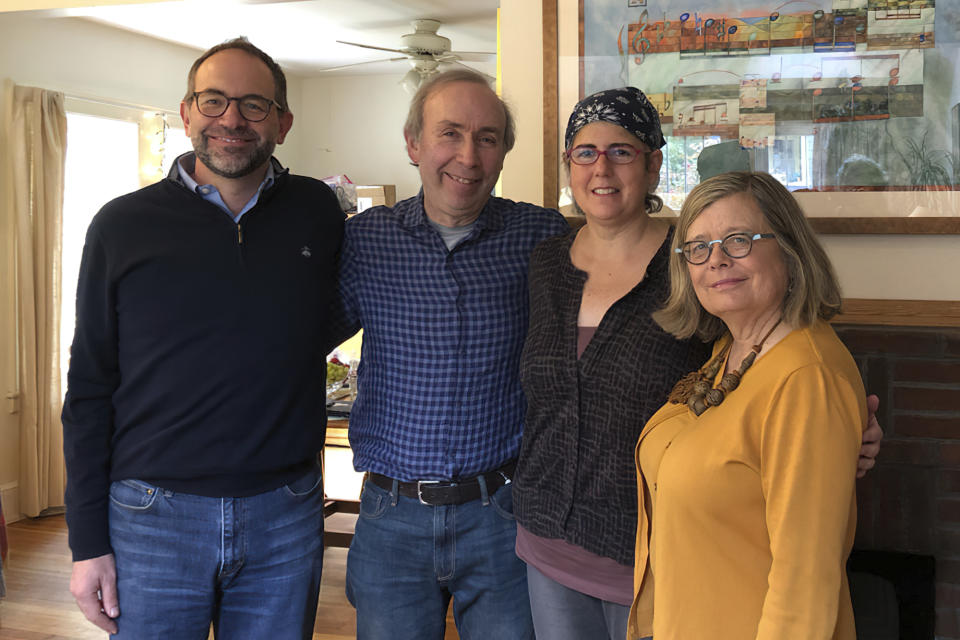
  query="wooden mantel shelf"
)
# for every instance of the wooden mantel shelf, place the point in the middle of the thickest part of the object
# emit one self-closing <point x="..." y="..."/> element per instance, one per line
<point x="901" y="313"/>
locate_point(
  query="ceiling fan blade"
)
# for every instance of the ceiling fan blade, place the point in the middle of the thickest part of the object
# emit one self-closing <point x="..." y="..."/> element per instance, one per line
<point x="370" y="46"/>
<point x="475" y="56"/>
<point x="475" y="53"/>
<point x="357" y="64"/>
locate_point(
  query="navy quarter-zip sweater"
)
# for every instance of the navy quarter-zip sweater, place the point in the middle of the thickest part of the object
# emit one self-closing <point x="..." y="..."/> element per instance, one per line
<point x="198" y="360"/>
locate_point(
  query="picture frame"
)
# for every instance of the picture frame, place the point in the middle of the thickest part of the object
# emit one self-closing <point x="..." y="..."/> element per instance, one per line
<point x="772" y="105"/>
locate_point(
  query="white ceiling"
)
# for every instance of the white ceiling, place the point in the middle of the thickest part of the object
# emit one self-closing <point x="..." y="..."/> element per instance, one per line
<point x="301" y="34"/>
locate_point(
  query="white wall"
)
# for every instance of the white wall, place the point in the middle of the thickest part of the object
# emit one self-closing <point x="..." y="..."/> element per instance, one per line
<point x="521" y="49"/>
<point x="83" y="58"/>
<point x="896" y="267"/>
<point x="354" y="125"/>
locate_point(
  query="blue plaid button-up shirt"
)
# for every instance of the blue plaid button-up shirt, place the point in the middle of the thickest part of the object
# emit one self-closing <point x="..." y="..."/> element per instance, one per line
<point x="439" y="389"/>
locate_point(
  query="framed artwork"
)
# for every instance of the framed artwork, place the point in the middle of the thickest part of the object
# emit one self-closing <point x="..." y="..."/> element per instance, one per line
<point x="853" y="104"/>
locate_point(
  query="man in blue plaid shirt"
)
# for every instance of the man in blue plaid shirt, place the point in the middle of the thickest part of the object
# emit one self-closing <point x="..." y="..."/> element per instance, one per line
<point x="439" y="285"/>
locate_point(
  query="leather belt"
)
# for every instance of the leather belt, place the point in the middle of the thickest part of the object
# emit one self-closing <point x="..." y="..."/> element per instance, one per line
<point x="447" y="492"/>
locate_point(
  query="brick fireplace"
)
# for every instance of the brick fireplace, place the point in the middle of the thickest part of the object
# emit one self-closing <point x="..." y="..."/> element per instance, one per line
<point x="911" y="501"/>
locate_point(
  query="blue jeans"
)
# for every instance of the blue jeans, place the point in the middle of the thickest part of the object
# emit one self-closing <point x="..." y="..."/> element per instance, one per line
<point x="407" y="560"/>
<point x="562" y="613"/>
<point x="251" y="566"/>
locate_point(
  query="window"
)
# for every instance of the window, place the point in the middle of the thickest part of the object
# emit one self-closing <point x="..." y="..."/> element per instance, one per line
<point x="110" y="150"/>
<point x="791" y="161"/>
<point x="175" y="143"/>
<point x="102" y="163"/>
<point x="678" y="173"/>
<point x="789" y="158"/>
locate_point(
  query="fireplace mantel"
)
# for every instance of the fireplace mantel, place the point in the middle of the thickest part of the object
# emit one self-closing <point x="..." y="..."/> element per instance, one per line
<point x="900" y="313"/>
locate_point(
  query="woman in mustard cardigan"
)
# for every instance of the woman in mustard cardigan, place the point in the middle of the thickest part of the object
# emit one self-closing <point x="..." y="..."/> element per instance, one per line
<point x="746" y="492"/>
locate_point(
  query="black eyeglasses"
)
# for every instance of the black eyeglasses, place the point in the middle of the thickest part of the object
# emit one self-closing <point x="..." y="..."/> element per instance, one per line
<point x="735" y="245"/>
<point x="619" y="154"/>
<point x="254" y="108"/>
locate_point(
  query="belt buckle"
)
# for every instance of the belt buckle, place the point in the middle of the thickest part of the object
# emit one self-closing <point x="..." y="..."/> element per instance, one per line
<point x="420" y="484"/>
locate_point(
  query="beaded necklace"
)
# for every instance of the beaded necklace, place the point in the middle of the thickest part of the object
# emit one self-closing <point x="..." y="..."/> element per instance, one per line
<point x="694" y="389"/>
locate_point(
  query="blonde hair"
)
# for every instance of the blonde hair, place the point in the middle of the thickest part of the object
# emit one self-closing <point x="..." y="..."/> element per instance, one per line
<point x="812" y="290"/>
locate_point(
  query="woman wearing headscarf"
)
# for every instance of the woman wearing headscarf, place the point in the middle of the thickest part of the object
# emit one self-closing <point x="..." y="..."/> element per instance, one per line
<point x="594" y="367"/>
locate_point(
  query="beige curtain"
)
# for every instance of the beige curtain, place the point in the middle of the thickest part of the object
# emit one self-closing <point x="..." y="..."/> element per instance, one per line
<point x="36" y="132"/>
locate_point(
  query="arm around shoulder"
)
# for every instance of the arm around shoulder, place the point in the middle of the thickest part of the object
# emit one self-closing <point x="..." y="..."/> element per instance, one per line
<point x="343" y="314"/>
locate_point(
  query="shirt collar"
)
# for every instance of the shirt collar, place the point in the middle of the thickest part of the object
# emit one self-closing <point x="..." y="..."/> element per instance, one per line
<point x="187" y="163"/>
<point x="490" y="217"/>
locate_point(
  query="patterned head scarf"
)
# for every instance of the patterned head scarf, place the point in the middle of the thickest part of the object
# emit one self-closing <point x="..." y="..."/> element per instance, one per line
<point x="626" y="107"/>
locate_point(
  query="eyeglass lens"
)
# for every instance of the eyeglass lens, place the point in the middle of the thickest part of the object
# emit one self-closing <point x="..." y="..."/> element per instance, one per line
<point x="253" y="108"/>
<point x="618" y="155"/>
<point x="737" y="245"/>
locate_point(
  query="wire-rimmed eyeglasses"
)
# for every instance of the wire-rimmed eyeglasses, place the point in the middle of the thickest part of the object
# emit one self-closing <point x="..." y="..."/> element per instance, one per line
<point x="617" y="154"/>
<point x="735" y="245"/>
<point x="253" y="108"/>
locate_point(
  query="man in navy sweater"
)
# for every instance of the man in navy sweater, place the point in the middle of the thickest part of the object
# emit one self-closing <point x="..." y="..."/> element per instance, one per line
<point x="195" y="404"/>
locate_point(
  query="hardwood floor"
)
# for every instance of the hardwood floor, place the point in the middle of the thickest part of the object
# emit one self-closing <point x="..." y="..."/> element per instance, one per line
<point x="37" y="572"/>
<point x="39" y="606"/>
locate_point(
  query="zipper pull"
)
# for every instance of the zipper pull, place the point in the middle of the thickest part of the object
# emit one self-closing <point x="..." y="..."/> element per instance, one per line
<point x="239" y="234"/>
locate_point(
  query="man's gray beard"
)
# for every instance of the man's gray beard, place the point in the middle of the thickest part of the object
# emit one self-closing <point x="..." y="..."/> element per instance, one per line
<point x="256" y="159"/>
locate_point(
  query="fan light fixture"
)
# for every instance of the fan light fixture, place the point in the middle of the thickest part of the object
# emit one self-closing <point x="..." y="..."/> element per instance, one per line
<point x="425" y="50"/>
<point x="411" y="82"/>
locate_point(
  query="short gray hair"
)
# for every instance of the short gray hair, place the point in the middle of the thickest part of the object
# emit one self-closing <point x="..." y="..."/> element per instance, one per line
<point x="414" y="124"/>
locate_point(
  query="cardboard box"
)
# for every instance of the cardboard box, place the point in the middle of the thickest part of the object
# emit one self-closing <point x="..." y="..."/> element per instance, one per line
<point x="376" y="195"/>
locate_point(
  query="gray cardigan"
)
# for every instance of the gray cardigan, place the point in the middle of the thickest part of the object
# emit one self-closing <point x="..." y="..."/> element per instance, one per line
<point x="575" y="476"/>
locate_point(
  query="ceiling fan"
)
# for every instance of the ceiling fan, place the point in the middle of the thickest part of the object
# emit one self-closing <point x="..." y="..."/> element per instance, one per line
<point x="425" y="50"/>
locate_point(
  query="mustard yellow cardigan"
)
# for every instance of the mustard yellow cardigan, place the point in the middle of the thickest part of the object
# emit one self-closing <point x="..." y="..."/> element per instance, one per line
<point x="747" y="513"/>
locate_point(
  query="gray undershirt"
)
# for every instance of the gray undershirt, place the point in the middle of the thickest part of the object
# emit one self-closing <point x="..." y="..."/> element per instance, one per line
<point x="452" y="235"/>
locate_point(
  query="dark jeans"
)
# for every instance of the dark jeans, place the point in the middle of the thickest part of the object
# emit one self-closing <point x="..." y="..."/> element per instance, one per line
<point x="408" y="559"/>
<point x="251" y="566"/>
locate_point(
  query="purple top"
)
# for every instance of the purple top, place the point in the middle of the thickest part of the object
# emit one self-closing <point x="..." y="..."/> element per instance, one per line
<point x="576" y="568"/>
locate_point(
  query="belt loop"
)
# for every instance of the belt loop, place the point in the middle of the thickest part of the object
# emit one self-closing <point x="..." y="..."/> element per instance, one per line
<point x="394" y="492"/>
<point x="484" y="496"/>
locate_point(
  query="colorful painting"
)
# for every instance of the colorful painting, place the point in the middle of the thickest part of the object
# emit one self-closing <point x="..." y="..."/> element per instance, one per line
<point x="753" y="94"/>
<point x="757" y="130"/>
<point x="663" y="102"/>
<point x="805" y="85"/>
